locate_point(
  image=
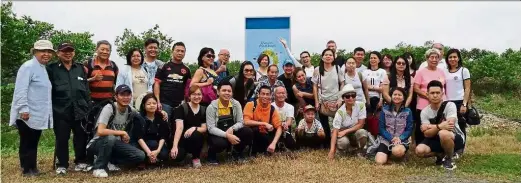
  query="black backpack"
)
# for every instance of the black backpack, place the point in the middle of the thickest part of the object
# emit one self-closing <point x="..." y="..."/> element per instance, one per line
<point x="272" y="109"/>
<point x="439" y="116"/>
<point x="89" y="124"/>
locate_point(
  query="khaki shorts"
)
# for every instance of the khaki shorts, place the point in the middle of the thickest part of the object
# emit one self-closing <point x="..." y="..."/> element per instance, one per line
<point x="353" y="139"/>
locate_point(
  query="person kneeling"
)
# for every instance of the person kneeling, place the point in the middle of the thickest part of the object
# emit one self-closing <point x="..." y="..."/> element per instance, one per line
<point x="395" y="128"/>
<point x="190" y="123"/>
<point x="225" y="125"/>
<point x="348" y="124"/>
<point x="440" y="126"/>
<point x="309" y="131"/>
<point x="156" y="130"/>
<point x="117" y="127"/>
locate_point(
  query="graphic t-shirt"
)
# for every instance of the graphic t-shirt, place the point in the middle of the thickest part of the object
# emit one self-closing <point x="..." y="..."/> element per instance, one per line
<point x="374" y="78"/>
<point x="173" y="78"/>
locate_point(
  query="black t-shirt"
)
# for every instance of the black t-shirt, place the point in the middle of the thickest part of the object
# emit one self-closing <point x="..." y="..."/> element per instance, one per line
<point x="288" y="85"/>
<point x="155" y="130"/>
<point x="173" y="79"/>
<point x="340" y="61"/>
<point x="190" y="119"/>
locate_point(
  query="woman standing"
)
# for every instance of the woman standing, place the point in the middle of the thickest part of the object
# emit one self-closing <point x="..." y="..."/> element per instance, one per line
<point x="357" y="80"/>
<point x="190" y="125"/>
<point x="422" y="79"/>
<point x="387" y="62"/>
<point x="243" y="92"/>
<point x="375" y="78"/>
<point x="412" y="63"/>
<point x="327" y="81"/>
<point x="395" y="128"/>
<point x="458" y="85"/>
<point x="32" y="114"/>
<point x="400" y="77"/>
<point x="156" y="130"/>
<point x="205" y="75"/>
<point x="135" y="76"/>
<point x="264" y="61"/>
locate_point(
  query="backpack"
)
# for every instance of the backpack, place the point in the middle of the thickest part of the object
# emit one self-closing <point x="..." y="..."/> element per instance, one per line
<point x="272" y="109"/>
<point x="89" y="124"/>
<point x="202" y="109"/>
<point x="89" y="64"/>
<point x="439" y="116"/>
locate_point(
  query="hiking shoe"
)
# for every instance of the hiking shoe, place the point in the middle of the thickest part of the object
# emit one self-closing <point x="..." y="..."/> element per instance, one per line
<point x="196" y="163"/>
<point x="439" y="160"/>
<point x="113" y="167"/>
<point x="61" y="171"/>
<point x="213" y="162"/>
<point x="448" y="164"/>
<point x="100" y="173"/>
<point x="80" y="167"/>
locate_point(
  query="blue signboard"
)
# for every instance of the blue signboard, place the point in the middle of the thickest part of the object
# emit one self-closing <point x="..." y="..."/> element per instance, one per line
<point x="263" y="35"/>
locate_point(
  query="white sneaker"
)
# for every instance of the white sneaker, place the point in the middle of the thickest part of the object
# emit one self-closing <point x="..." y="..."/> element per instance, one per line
<point x="88" y="168"/>
<point x="196" y="163"/>
<point x="80" y="167"/>
<point x="113" y="167"/>
<point x="100" y="173"/>
<point x="61" y="171"/>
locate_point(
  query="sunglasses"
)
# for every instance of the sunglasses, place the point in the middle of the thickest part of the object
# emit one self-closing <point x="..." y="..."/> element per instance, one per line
<point x="400" y="63"/>
<point x="248" y="70"/>
<point x="210" y="56"/>
<point x="349" y="95"/>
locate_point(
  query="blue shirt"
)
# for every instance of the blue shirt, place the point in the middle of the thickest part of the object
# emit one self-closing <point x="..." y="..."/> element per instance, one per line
<point x="32" y="80"/>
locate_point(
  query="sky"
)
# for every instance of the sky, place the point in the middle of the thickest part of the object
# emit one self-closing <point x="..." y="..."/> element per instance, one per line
<point x="372" y="25"/>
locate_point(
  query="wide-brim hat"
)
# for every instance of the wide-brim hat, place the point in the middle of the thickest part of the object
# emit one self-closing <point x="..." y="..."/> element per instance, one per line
<point x="42" y="45"/>
<point x="348" y="88"/>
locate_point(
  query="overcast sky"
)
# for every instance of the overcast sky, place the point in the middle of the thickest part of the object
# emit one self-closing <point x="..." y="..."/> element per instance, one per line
<point x="373" y="25"/>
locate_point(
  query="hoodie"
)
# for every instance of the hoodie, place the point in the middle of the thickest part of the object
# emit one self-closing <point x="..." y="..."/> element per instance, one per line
<point x="212" y="117"/>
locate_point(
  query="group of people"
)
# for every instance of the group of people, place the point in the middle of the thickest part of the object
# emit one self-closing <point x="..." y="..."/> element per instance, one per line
<point x="151" y="111"/>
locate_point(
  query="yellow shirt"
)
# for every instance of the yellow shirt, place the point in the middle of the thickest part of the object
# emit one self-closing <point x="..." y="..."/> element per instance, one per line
<point x="223" y="110"/>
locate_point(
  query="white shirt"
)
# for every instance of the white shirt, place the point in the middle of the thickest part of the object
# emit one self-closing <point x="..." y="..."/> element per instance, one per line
<point x="360" y="69"/>
<point x="285" y="112"/>
<point x="441" y="64"/>
<point x="454" y="83"/>
<point x="342" y="120"/>
<point x="309" y="71"/>
<point x="357" y="85"/>
<point x="374" y="78"/>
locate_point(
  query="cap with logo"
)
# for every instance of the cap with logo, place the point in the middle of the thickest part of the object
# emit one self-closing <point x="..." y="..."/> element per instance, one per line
<point x="123" y="88"/>
<point x="66" y="46"/>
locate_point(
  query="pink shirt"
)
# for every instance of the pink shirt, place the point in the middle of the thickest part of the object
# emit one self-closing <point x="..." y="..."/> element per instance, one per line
<point x="423" y="77"/>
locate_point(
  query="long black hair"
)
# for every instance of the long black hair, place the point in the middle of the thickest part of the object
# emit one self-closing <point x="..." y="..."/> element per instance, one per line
<point x="142" y="109"/>
<point x="131" y="52"/>
<point x="202" y="53"/>
<point x="321" y="64"/>
<point x="238" y="91"/>
<point x="406" y="55"/>
<point x="394" y="74"/>
<point x="460" y="60"/>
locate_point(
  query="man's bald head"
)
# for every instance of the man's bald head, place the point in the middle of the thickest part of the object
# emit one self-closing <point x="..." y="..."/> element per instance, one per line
<point x="224" y="55"/>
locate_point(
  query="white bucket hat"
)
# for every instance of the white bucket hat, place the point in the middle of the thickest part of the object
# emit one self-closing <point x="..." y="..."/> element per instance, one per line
<point x="42" y="45"/>
<point x="346" y="89"/>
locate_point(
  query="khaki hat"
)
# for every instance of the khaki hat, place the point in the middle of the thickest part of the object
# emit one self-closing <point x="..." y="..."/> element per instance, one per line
<point x="42" y="45"/>
<point x="346" y="89"/>
<point x="309" y="107"/>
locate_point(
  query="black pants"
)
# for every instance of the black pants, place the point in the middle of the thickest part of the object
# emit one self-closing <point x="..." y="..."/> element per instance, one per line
<point x="309" y="140"/>
<point x="111" y="149"/>
<point x="461" y="122"/>
<point x="29" y="139"/>
<point x="324" y="120"/>
<point x="418" y="134"/>
<point x="193" y="144"/>
<point x="219" y="144"/>
<point x="62" y="131"/>
<point x="261" y="141"/>
<point x="153" y="145"/>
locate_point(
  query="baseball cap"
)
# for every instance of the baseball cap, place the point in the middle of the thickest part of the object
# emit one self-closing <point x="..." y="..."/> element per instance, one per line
<point x="123" y="88"/>
<point x="288" y="63"/>
<point x="65" y="46"/>
<point x="309" y="107"/>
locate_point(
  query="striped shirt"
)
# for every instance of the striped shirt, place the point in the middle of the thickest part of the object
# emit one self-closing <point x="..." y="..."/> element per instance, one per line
<point x="104" y="89"/>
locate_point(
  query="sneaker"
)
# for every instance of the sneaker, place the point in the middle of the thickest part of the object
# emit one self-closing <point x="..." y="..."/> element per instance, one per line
<point x="457" y="154"/>
<point x="88" y="168"/>
<point x="213" y="162"/>
<point x="100" y="173"/>
<point x="80" y="167"/>
<point x="448" y="164"/>
<point x="113" y="167"/>
<point x="61" y="171"/>
<point x="439" y="160"/>
<point x="196" y="163"/>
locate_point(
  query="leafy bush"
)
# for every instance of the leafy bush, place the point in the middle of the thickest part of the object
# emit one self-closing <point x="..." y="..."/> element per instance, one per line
<point x="7" y="98"/>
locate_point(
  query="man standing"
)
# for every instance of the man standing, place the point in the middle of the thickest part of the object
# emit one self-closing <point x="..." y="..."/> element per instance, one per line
<point x="102" y="73"/>
<point x="220" y="65"/>
<point x="339" y="60"/>
<point x="151" y="63"/>
<point x="443" y="135"/>
<point x="359" y="54"/>
<point x="70" y="96"/>
<point x="170" y="81"/>
<point x="287" y="79"/>
<point x="442" y="64"/>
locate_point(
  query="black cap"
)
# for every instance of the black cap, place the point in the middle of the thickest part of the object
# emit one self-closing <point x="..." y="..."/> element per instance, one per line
<point x="288" y="63"/>
<point x="65" y="46"/>
<point x="123" y="88"/>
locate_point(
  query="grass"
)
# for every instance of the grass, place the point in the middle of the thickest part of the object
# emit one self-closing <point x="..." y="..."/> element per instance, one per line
<point x="504" y="105"/>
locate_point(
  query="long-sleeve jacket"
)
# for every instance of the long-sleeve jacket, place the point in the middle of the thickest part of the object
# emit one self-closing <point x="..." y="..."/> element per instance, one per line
<point x="212" y="116"/>
<point x="399" y="125"/>
<point x="32" y="94"/>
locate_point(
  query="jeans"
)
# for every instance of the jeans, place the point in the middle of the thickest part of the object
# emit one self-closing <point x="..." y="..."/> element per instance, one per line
<point x="109" y="148"/>
<point x="62" y="131"/>
<point x="27" y="152"/>
<point x="218" y="144"/>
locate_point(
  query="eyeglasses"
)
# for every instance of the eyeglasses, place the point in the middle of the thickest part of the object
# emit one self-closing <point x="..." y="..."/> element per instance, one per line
<point x="248" y="70"/>
<point x="196" y="94"/>
<point x="349" y="95"/>
<point x="305" y="56"/>
<point x="210" y="55"/>
<point x="400" y="63"/>
<point x="225" y="55"/>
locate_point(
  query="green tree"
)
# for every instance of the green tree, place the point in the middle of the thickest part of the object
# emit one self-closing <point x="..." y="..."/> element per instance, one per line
<point x="18" y="37"/>
<point x="83" y="44"/>
<point x="129" y="40"/>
